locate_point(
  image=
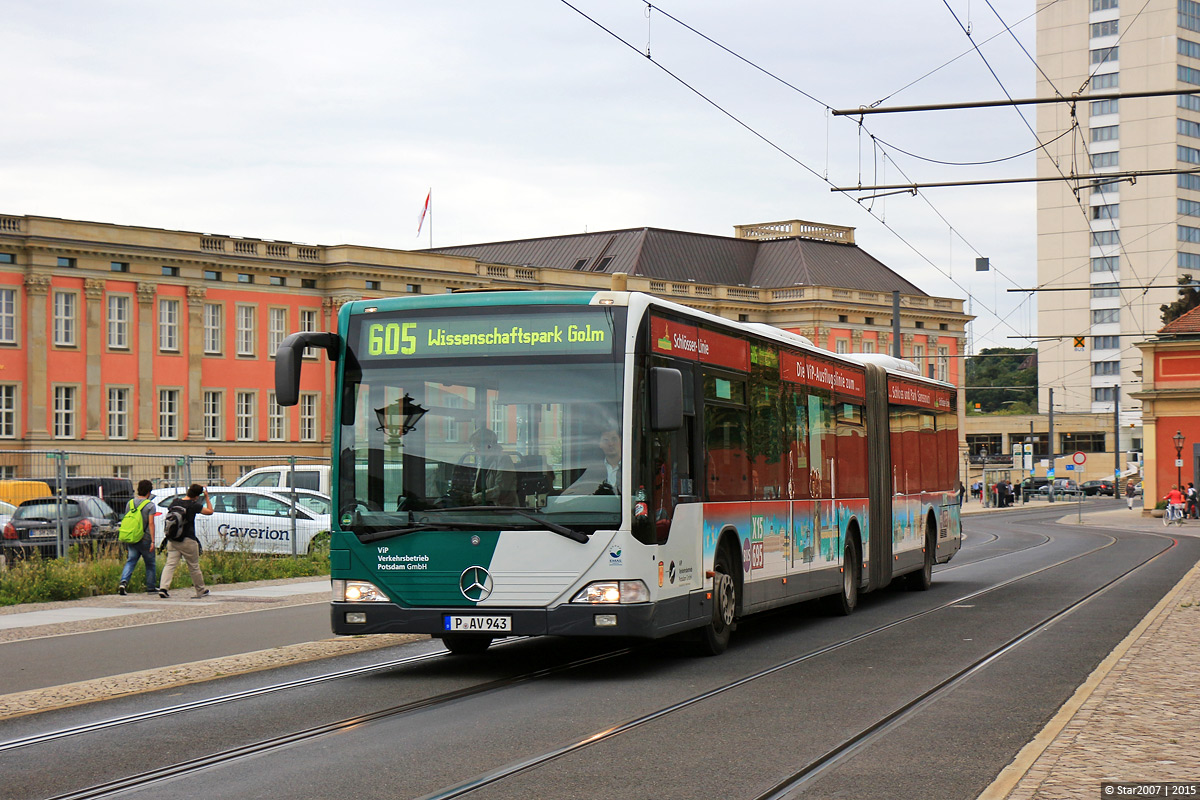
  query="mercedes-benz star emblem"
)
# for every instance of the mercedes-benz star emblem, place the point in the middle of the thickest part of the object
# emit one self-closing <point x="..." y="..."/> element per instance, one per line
<point x="475" y="583"/>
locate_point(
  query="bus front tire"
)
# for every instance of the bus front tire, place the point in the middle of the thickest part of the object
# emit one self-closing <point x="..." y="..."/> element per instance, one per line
<point x="920" y="580"/>
<point x="845" y="601"/>
<point x="714" y="637"/>
<point x="466" y="644"/>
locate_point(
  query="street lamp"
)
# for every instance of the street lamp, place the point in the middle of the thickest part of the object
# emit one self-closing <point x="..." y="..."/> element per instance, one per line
<point x="1178" y="439"/>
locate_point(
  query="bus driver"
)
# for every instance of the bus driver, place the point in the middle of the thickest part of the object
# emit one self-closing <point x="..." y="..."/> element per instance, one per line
<point x="603" y="478"/>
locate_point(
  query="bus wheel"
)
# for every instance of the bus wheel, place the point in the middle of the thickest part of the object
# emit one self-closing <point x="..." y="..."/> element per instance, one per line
<point x="466" y="644"/>
<point x="920" y="580"/>
<point x="845" y="601"/>
<point x="714" y="637"/>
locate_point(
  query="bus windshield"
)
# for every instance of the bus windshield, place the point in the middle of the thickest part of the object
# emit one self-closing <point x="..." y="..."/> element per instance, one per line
<point x="480" y="444"/>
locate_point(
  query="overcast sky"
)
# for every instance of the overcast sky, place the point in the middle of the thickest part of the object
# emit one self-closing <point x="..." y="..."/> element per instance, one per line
<point x="327" y="123"/>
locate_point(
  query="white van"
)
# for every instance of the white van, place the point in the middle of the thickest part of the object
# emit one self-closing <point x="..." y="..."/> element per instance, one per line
<point x="308" y="476"/>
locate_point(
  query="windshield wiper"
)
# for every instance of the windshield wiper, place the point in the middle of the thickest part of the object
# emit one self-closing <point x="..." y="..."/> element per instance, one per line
<point x="416" y="527"/>
<point x="561" y="530"/>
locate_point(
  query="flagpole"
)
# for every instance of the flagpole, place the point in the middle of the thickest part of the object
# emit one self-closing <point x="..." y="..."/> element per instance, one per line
<point x="430" y="217"/>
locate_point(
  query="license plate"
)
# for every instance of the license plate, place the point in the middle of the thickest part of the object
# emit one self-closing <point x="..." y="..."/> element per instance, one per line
<point x="478" y="624"/>
<point x="36" y="534"/>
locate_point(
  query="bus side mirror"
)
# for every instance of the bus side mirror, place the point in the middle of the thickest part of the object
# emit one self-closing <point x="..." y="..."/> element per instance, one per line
<point x="666" y="399"/>
<point x="289" y="356"/>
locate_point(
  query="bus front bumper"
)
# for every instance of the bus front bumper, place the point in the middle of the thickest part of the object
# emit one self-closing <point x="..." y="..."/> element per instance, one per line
<point x="641" y="620"/>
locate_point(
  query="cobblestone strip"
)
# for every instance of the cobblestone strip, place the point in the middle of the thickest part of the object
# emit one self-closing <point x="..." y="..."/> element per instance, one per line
<point x="90" y="691"/>
<point x="1133" y="719"/>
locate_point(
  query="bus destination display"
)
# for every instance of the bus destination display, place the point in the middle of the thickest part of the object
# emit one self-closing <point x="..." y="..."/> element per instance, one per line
<point x="558" y="333"/>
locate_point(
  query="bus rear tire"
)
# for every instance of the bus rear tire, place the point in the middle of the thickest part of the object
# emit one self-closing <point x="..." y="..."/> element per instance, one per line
<point x="466" y="644"/>
<point x="845" y="601"/>
<point x="714" y="637"/>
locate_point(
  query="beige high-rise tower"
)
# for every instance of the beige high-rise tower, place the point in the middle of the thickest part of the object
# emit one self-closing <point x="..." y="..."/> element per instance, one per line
<point x="1113" y="241"/>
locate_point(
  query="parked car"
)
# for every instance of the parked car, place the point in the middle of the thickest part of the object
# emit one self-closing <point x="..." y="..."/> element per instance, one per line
<point x="308" y="476"/>
<point x="1061" y="486"/>
<point x="16" y="492"/>
<point x="1033" y="486"/>
<point x="117" y="492"/>
<point x="6" y="511"/>
<point x="1098" y="488"/>
<point x="252" y="519"/>
<point x="34" y="525"/>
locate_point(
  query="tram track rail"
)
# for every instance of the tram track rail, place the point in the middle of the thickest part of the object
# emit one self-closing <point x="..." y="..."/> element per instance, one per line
<point x="230" y="755"/>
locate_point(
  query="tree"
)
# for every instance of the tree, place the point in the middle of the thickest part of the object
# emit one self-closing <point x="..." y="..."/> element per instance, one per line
<point x="1003" y="367"/>
<point x="1189" y="298"/>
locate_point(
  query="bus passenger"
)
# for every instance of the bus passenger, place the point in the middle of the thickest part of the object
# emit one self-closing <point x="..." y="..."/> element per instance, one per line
<point x="605" y="477"/>
<point x="495" y="481"/>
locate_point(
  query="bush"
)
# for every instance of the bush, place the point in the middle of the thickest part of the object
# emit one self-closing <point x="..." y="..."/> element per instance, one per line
<point x="39" y="580"/>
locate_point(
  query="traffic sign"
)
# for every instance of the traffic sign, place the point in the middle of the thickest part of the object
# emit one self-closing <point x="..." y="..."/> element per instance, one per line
<point x="1078" y="458"/>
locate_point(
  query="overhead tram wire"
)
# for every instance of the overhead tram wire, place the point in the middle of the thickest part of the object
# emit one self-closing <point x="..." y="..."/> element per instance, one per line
<point x="778" y="148"/>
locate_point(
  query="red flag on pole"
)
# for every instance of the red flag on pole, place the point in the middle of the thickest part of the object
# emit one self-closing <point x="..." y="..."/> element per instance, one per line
<point x="424" y="211"/>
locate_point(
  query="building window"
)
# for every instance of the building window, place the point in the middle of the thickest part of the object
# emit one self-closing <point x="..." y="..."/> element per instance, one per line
<point x="843" y="318"/>
<point x="213" y="402"/>
<point x="1087" y="441"/>
<point x="245" y="277"/>
<point x="1104" y="316"/>
<point x="374" y="286"/>
<point x="1187" y="261"/>
<point x="1103" y="5"/>
<point x="841" y="346"/>
<point x="1104" y="55"/>
<point x="1186" y="127"/>
<point x="1104" y="394"/>
<point x="213" y="329"/>
<point x="65" y="304"/>
<point x="308" y="417"/>
<point x="276" y="420"/>
<point x="943" y="326"/>
<point x="1189" y="208"/>
<point x="1105" y="238"/>
<point x="1101" y="160"/>
<point x="868" y="346"/>
<point x="1111" y="211"/>
<point x="8" y="316"/>
<point x="602" y="264"/>
<point x="1106" y="342"/>
<point x="918" y="356"/>
<point x="413" y="288"/>
<point x="245" y="330"/>
<point x="1106" y="264"/>
<point x="580" y="264"/>
<point x="212" y="275"/>
<point x="1187" y="234"/>
<point x="8" y="411"/>
<point x="308" y="283"/>
<point x="1189" y="102"/>
<point x="1109" y="80"/>
<point x="943" y="365"/>
<point x="243" y="412"/>
<point x="278" y="280"/>
<point x="1189" y="155"/>
<point x="1105" y="290"/>
<point x="168" y="413"/>
<point x="7" y="258"/>
<point x="277" y="329"/>
<point x="1189" y="182"/>
<point x="118" y="412"/>
<point x="168" y="325"/>
<point x="1187" y="74"/>
<point x="119" y="307"/>
<point x="1106" y="367"/>
<point x="66" y="263"/>
<point x="1189" y="15"/>
<point x="118" y="266"/>
<point x="1105" y="28"/>
<point x="1108" y="133"/>
<point x="308" y="322"/>
<point x="170" y="272"/>
<point x="919" y="324"/>
<point x="122" y="471"/>
<point x="65" y="408"/>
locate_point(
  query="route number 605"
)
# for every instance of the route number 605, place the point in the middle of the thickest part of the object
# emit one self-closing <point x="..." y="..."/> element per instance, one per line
<point x="391" y="339"/>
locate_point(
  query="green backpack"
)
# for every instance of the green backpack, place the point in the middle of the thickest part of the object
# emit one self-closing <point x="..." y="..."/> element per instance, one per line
<point x="132" y="529"/>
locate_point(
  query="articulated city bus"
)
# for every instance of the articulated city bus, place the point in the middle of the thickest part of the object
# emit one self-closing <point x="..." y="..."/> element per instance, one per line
<point x="612" y="464"/>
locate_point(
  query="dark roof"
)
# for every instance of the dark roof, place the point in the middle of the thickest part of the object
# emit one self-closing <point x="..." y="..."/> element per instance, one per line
<point x="682" y="256"/>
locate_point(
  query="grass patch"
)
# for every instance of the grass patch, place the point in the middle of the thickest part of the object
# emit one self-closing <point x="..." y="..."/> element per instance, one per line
<point x="40" y="580"/>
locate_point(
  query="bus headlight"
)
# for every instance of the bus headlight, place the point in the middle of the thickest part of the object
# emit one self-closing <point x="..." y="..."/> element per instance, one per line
<point x="358" y="592"/>
<point x="613" y="592"/>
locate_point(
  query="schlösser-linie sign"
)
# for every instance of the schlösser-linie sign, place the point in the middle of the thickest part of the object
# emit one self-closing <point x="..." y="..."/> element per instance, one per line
<point x="392" y="336"/>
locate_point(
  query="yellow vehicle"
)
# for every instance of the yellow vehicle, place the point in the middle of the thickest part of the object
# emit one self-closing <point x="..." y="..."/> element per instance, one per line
<point x="16" y="492"/>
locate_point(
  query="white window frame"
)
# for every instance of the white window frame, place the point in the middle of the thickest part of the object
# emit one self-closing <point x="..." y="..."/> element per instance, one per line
<point x="168" y="414"/>
<point x="120" y="314"/>
<point x="243" y="415"/>
<point x="8" y="316"/>
<point x="308" y="322"/>
<point x="943" y="364"/>
<point x="277" y="328"/>
<point x="246" y="318"/>
<point x="65" y="410"/>
<point x="66" y="309"/>
<point x="213" y="408"/>
<point x="168" y="324"/>
<point x="214" y="332"/>
<point x="9" y="407"/>
<point x="118" y="412"/>
<point x="309" y="403"/>
<point x="277" y="422"/>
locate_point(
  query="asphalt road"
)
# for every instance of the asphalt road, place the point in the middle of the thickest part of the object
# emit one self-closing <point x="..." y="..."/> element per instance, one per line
<point x="738" y="742"/>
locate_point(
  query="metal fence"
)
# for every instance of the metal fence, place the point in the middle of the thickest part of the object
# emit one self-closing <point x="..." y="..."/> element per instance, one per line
<point x="91" y="472"/>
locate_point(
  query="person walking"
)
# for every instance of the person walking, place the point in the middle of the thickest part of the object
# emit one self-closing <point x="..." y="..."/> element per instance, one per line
<point x="188" y="547"/>
<point x="1130" y="490"/>
<point x="1192" y="507"/>
<point x="143" y="548"/>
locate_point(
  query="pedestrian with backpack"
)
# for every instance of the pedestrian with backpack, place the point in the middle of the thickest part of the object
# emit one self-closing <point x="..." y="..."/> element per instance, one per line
<point x="179" y="532"/>
<point x="137" y="534"/>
